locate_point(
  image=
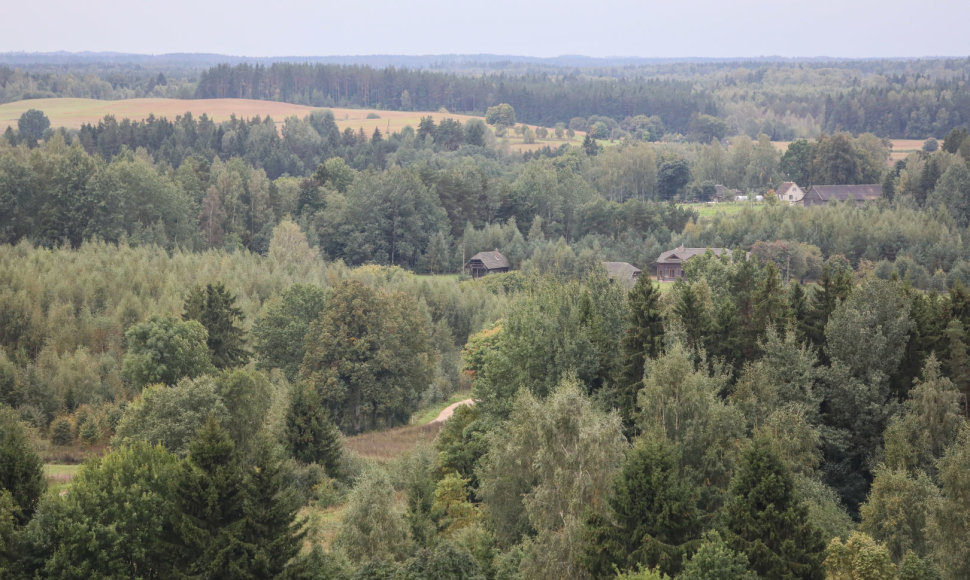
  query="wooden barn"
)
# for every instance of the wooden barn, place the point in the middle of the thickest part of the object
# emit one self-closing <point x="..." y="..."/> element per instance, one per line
<point x="484" y="263"/>
<point x="622" y="272"/>
<point x="822" y="194"/>
<point x="670" y="265"/>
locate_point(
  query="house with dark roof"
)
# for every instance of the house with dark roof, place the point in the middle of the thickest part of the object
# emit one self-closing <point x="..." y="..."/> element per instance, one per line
<point x="670" y="265"/>
<point x="860" y="194"/>
<point x="622" y="272"/>
<point x="484" y="263"/>
<point x="789" y="192"/>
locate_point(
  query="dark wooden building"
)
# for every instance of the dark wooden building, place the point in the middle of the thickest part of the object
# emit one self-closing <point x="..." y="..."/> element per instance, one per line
<point x="823" y="194"/>
<point x="670" y="265"/>
<point x="622" y="272"/>
<point x="484" y="263"/>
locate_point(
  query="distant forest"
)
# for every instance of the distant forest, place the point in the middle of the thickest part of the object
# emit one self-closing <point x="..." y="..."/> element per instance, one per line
<point x="784" y="99"/>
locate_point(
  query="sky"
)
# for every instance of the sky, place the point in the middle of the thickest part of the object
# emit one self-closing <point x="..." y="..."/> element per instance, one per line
<point x="542" y="28"/>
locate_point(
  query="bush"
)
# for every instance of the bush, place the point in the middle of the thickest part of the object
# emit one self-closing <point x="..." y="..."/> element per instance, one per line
<point x="61" y="431"/>
<point x="89" y="432"/>
<point x="373" y="115"/>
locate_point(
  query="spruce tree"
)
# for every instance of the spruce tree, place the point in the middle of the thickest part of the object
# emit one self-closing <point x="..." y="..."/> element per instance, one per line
<point x="653" y="518"/>
<point x="643" y="340"/>
<point x="210" y="505"/>
<point x="215" y="308"/>
<point x="834" y="287"/>
<point x="310" y="435"/>
<point x="764" y="519"/>
<point x="693" y="315"/>
<point x="269" y="532"/>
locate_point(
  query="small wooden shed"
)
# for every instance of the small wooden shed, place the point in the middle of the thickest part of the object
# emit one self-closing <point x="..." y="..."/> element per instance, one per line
<point x="484" y="263"/>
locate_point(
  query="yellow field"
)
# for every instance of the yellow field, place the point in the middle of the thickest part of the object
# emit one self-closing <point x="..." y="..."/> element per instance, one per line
<point x="901" y="147"/>
<point x="72" y="113"/>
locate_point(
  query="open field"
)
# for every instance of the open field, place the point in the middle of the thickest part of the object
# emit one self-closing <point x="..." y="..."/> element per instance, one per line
<point x="390" y="444"/>
<point x="706" y="211"/>
<point x="901" y="147"/>
<point x="72" y="113"/>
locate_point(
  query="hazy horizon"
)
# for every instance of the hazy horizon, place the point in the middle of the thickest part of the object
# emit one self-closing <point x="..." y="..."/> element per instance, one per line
<point x="542" y="28"/>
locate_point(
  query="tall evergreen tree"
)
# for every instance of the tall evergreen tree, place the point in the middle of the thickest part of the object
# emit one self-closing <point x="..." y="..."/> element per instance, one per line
<point x="653" y="518"/>
<point x="643" y="340"/>
<point x="215" y="308"/>
<point x="764" y="519"/>
<point x="694" y="316"/>
<point x="211" y="506"/>
<point x="310" y="435"/>
<point x="269" y="532"/>
<point x="834" y="287"/>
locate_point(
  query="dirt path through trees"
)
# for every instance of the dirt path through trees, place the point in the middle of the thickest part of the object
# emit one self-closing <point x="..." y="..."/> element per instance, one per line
<point x="447" y="411"/>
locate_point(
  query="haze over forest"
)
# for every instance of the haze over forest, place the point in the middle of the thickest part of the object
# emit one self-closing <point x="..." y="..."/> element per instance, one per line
<point x="437" y="311"/>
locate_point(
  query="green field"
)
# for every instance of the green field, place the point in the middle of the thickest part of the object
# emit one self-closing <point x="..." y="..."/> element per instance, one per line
<point x="728" y="208"/>
<point x="59" y="476"/>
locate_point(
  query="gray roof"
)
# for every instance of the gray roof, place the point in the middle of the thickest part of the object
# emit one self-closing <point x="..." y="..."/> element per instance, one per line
<point x="491" y="260"/>
<point x="866" y="192"/>
<point x="683" y="254"/>
<point x="784" y="187"/>
<point x="620" y="269"/>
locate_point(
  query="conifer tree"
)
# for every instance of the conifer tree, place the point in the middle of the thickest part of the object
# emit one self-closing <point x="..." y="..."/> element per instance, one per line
<point x="643" y="340"/>
<point x="835" y="286"/>
<point x="764" y="519"/>
<point x="215" y="308"/>
<point x="653" y="517"/>
<point x="269" y="531"/>
<point x="210" y="502"/>
<point x="311" y="436"/>
<point x="21" y="470"/>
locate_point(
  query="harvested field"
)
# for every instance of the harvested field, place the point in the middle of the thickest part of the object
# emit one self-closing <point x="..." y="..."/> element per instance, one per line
<point x="901" y="147"/>
<point x="72" y="113"/>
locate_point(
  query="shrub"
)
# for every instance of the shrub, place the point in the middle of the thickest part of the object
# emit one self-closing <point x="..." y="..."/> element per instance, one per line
<point x="61" y="431"/>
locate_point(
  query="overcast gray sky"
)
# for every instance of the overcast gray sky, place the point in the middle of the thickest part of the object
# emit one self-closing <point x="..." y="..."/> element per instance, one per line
<point x="647" y="28"/>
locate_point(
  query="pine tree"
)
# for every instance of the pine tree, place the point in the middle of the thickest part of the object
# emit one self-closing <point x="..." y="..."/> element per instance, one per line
<point x="764" y="519"/>
<point x="643" y="340"/>
<point x="215" y="308"/>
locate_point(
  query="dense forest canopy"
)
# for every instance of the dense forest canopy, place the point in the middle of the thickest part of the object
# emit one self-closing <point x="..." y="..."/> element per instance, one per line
<point x="224" y="318"/>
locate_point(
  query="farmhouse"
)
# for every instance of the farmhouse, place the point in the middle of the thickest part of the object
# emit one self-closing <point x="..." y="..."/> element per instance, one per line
<point x="822" y="194"/>
<point x="622" y="272"/>
<point x="484" y="263"/>
<point x="670" y="265"/>
<point x="790" y="192"/>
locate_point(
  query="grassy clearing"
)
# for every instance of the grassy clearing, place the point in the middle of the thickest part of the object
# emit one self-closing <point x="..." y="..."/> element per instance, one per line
<point x="383" y="446"/>
<point x="322" y="524"/>
<point x="59" y="476"/>
<point x="428" y="415"/>
<point x="706" y="211"/>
